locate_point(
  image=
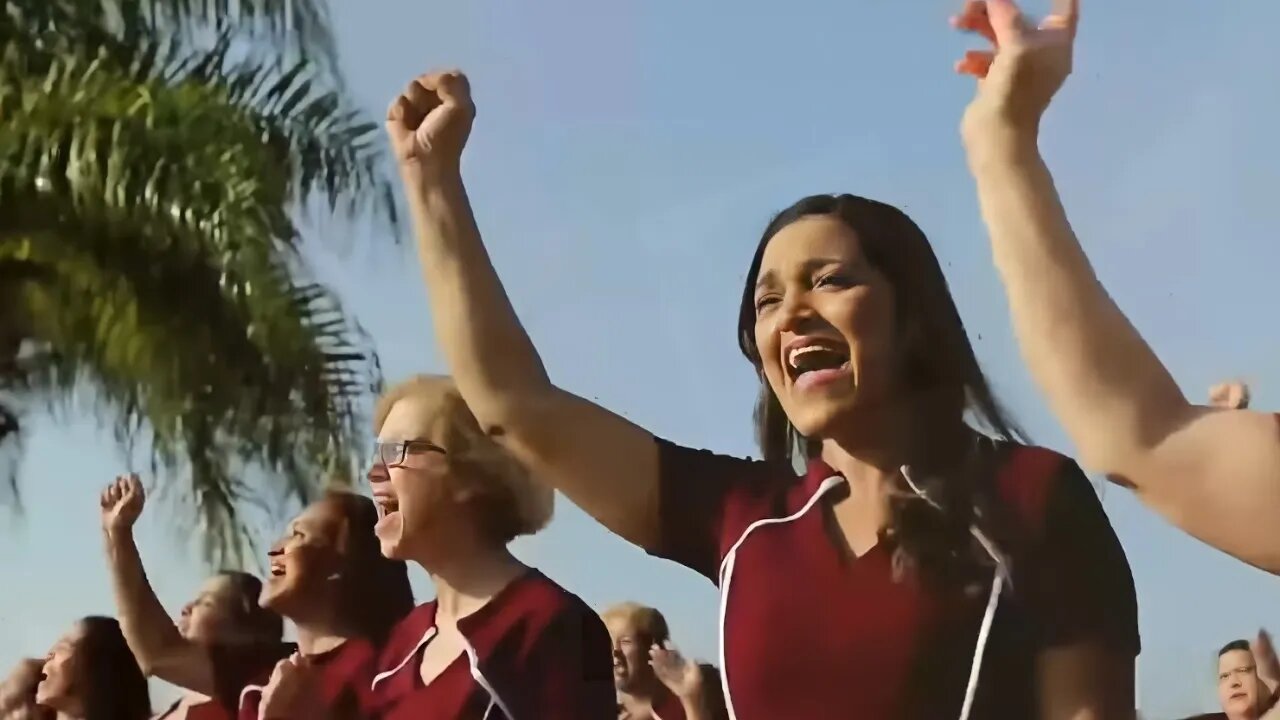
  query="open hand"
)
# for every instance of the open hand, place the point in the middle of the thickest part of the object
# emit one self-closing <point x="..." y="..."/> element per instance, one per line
<point x="1024" y="66"/>
<point x="1264" y="657"/>
<point x="682" y="677"/>
<point x="429" y="124"/>
<point x="122" y="502"/>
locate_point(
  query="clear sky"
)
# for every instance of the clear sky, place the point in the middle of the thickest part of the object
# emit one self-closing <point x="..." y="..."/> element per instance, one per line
<point x="623" y="164"/>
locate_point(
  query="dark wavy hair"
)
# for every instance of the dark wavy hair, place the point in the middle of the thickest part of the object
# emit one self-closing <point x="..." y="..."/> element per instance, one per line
<point x="942" y="381"/>
<point x="250" y="617"/>
<point x="375" y="590"/>
<point x="114" y="687"/>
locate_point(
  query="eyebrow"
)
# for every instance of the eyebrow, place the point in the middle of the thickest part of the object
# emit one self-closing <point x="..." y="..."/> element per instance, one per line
<point x="770" y="277"/>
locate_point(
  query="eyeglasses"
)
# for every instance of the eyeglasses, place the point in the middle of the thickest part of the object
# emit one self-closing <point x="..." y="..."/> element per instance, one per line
<point x="393" y="454"/>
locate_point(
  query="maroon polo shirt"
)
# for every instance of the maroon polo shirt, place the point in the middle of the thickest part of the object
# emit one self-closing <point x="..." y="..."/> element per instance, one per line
<point x="240" y="673"/>
<point x="806" y="633"/>
<point x="536" y="651"/>
<point x="344" y="676"/>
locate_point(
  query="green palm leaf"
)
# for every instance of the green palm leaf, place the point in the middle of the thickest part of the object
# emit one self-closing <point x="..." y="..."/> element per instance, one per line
<point x="147" y="197"/>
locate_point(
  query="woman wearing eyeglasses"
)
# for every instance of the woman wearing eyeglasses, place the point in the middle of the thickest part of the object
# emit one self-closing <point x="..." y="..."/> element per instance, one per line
<point x="501" y="640"/>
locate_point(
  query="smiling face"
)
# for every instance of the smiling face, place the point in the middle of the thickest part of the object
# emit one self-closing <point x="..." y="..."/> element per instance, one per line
<point x="209" y="617"/>
<point x="824" y="324"/>
<point x="64" y="683"/>
<point x="1239" y="689"/>
<point x="304" y="562"/>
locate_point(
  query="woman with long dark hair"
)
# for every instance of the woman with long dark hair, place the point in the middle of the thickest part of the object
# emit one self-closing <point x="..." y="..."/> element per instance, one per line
<point x="90" y="674"/>
<point x="921" y="566"/>
<point x="328" y="577"/>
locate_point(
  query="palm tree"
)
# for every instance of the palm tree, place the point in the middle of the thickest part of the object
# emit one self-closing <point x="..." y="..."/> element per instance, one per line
<point x="154" y="157"/>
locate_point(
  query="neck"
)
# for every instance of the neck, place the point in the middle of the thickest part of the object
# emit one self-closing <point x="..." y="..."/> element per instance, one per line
<point x="641" y="695"/>
<point x="465" y="581"/>
<point x="321" y="635"/>
<point x="639" y="700"/>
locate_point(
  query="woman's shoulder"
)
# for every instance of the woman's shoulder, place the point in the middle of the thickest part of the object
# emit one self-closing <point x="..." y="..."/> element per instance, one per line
<point x="1030" y="480"/>
<point x="740" y="480"/>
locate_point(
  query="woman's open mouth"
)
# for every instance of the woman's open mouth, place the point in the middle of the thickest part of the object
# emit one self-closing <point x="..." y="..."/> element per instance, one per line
<point x="388" y="513"/>
<point x="815" y="361"/>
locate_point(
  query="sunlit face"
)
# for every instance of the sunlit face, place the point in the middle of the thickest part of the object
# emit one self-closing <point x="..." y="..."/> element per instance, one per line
<point x="209" y="617"/>
<point x="63" y="683"/>
<point x="304" y="561"/>
<point x="1239" y="689"/>
<point x="631" y="667"/>
<point x="824" y="324"/>
<point x="415" y="497"/>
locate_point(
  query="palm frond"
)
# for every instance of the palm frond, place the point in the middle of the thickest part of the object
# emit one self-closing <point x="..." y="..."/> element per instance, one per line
<point x="147" y="193"/>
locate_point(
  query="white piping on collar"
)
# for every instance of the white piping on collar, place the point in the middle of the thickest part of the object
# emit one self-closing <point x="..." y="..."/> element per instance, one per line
<point x="473" y="663"/>
<point x="984" y="630"/>
<point x="726" y="575"/>
<point x="993" y="600"/>
<point x="494" y="698"/>
<point x="426" y="638"/>
<point x="244" y="692"/>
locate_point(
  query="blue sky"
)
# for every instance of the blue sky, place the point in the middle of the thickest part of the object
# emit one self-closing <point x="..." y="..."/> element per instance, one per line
<point x="623" y="164"/>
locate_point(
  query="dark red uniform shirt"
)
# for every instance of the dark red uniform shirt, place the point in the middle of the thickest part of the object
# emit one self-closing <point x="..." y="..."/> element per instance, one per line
<point x="344" y="680"/>
<point x="806" y="633"/>
<point x="345" y="674"/>
<point x="535" y="652"/>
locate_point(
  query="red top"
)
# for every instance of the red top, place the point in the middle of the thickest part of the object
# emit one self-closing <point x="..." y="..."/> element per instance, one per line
<point x="805" y="631"/>
<point x="240" y="673"/>
<point x="345" y="676"/>
<point x="535" y="651"/>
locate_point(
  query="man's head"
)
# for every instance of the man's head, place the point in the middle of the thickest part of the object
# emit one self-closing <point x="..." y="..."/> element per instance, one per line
<point x="634" y="629"/>
<point x="1239" y="689"/>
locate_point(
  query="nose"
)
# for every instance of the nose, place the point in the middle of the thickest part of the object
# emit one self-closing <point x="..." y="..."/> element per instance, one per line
<point x="186" y="610"/>
<point x="795" y="314"/>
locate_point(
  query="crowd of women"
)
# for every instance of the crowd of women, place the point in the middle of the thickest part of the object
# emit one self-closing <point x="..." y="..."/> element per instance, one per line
<point x="925" y="563"/>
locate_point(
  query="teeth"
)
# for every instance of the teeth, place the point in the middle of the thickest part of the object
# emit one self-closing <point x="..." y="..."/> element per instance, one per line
<point x="797" y="352"/>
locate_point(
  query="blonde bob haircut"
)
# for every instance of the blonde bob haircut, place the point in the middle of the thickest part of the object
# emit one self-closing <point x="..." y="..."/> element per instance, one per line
<point x="510" y="501"/>
<point x="648" y="622"/>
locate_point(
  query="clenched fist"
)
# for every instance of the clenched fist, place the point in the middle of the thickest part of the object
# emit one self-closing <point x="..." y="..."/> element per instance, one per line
<point x="122" y="503"/>
<point x="291" y="692"/>
<point x="429" y="124"/>
<point x="1232" y="395"/>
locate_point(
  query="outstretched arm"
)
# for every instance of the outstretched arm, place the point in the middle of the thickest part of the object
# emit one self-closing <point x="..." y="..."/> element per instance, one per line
<point x="1214" y="473"/>
<point x="602" y="462"/>
<point x="156" y="643"/>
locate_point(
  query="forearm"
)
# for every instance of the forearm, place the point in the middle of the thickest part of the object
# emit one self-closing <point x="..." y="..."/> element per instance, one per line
<point x="489" y="353"/>
<point x="1102" y="380"/>
<point x="147" y="627"/>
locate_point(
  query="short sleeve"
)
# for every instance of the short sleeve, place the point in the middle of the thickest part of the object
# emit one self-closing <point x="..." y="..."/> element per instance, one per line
<point x="236" y="666"/>
<point x="572" y="661"/>
<point x="1081" y="584"/>
<point x="696" y="489"/>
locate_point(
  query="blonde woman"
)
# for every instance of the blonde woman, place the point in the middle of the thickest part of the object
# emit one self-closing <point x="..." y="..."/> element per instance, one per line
<point x="501" y="640"/>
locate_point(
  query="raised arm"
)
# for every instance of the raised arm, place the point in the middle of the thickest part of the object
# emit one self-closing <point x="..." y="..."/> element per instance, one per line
<point x="159" y="648"/>
<point x="1214" y="473"/>
<point x="603" y="463"/>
